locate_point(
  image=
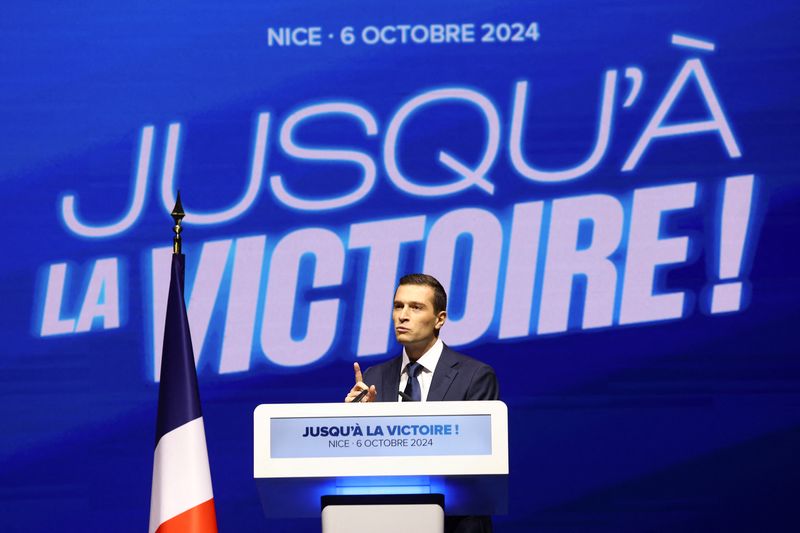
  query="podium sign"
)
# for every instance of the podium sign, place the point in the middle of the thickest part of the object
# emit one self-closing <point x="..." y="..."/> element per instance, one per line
<point x="380" y="436"/>
<point x="459" y="449"/>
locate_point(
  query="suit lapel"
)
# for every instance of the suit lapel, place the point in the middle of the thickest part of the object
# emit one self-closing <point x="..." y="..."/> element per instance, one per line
<point x="446" y="372"/>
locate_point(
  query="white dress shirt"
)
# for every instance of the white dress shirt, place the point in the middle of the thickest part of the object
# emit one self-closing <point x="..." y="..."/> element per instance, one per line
<point x="428" y="362"/>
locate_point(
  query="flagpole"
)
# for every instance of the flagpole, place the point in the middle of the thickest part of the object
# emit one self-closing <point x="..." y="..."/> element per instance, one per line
<point x="177" y="216"/>
<point x="181" y="498"/>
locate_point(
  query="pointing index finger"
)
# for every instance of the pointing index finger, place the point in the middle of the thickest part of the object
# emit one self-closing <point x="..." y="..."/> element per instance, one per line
<point x="357" y="369"/>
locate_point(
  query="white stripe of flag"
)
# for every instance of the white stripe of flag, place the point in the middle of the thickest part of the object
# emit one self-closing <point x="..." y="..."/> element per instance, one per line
<point x="181" y="475"/>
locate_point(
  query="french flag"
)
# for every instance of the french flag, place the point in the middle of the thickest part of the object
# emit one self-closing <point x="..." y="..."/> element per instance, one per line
<point x="181" y="500"/>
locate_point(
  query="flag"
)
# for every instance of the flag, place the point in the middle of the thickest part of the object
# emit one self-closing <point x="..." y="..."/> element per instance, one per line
<point x="181" y="500"/>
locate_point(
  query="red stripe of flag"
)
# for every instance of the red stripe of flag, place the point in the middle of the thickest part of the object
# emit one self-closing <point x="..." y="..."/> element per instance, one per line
<point x="200" y="519"/>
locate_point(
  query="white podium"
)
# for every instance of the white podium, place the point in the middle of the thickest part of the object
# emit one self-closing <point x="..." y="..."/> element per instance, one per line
<point x="380" y="458"/>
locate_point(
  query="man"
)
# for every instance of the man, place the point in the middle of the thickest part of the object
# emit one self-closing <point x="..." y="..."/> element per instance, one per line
<point x="427" y="370"/>
<point x="420" y="311"/>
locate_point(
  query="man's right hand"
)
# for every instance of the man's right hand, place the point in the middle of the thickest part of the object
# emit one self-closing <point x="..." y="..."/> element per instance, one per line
<point x="361" y="386"/>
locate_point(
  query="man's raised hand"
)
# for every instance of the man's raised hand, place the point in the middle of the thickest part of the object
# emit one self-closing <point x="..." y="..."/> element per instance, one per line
<point x="359" y="387"/>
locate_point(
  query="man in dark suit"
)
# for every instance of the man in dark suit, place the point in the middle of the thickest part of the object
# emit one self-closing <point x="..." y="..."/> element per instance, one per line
<point x="427" y="370"/>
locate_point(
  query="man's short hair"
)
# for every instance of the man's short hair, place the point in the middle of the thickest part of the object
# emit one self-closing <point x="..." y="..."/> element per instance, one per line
<point x="439" y="295"/>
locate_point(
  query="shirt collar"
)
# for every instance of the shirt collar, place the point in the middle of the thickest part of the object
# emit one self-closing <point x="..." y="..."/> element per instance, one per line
<point x="429" y="359"/>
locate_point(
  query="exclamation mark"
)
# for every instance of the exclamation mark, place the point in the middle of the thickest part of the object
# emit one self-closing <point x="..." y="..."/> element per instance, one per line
<point x="456" y="429"/>
<point x="737" y="200"/>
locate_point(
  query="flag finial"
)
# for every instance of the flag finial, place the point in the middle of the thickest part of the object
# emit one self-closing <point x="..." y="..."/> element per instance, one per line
<point x="177" y="216"/>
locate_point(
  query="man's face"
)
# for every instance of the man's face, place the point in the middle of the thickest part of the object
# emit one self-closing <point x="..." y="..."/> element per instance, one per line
<point x="415" y="322"/>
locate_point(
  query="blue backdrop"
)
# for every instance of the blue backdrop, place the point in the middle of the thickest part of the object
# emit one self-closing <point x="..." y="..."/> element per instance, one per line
<point x="608" y="191"/>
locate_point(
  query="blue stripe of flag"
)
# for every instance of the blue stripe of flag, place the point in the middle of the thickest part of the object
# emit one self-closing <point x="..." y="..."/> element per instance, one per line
<point x="178" y="394"/>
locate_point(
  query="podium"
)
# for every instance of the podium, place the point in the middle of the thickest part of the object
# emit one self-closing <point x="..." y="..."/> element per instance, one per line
<point x="334" y="459"/>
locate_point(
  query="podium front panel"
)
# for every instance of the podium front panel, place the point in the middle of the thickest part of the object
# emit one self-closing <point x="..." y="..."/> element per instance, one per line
<point x="303" y="452"/>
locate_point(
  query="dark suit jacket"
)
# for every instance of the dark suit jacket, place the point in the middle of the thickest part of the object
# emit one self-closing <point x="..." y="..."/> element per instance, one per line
<point x="457" y="377"/>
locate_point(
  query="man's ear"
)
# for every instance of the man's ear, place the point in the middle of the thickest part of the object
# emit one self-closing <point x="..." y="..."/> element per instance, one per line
<point x="441" y="316"/>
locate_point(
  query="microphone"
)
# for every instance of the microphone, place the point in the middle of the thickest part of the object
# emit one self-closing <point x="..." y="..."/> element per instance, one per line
<point x="360" y="395"/>
<point x="403" y="395"/>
